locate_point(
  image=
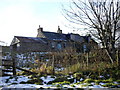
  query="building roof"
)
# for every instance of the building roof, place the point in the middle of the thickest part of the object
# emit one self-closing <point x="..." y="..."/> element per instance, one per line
<point x="50" y="36"/>
<point x="29" y="39"/>
<point x="55" y="36"/>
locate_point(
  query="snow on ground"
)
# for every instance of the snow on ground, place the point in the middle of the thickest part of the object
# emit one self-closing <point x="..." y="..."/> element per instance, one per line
<point x="47" y="79"/>
<point x="29" y="86"/>
<point x="8" y="80"/>
<point x="3" y="80"/>
<point x="14" y="82"/>
<point x="19" y="79"/>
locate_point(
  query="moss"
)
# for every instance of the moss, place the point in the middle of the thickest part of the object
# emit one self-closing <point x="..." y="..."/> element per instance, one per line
<point x="33" y="76"/>
<point x="111" y="85"/>
<point x="79" y="89"/>
<point x="6" y="80"/>
<point x="58" y="85"/>
<point x="35" y="81"/>
<point x="18" y="73"/>
<point x="38" y="83"/>
<point x="11" y="77"/>
<point x="115" y="86"/>
<point x="62" y="83"/>
<point x="110" y="80"/>
<point x="59" y="79"/>
<point x="71" y="80"/>
<point x="39" y="75"/>
<point x="78" y="75"/>
<point x="14" y="83"/>
<point x="94" y="76"/>
<point x="107" y="85"/>
<point x="72" y="85"/>
<point x="41" y="88"/>
<point x="49" y="70"/>
<point x="85" y="85"/>
<point x="65" y="83"/>
<point x="78" y="83"/>
<point x="22" y="73"/>
<point x="52" y="76"/>
<point x="97" y="81"/>
<point x="48" y="88"/>
<point x="22" y="82"/>
<point x="88" y="80"/>
<point x="118" y="81"/>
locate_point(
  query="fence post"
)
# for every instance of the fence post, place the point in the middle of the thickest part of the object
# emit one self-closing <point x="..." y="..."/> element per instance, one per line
<point x="53" y="62"/>
<point x="87" y="59"/>
<point x="118" y="57"/>
<point x="0" y="61"/>
<point x="14" y="67"/>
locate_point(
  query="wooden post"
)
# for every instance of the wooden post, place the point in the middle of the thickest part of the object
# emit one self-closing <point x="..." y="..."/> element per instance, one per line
<point x="0" y="60"/>
<point x="87" y="59"/>
<point x="118" y="58"/>
<point x="53" y="62"/>
<point x="14" y="67"/>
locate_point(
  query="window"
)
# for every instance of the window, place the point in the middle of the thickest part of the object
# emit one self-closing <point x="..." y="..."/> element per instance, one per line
<point x="84" y="48"/>
<point x="64" y="45"/>
<point x="53" y="45"/>
<point x="18" y="45"/>
<point x="59" y="46"/>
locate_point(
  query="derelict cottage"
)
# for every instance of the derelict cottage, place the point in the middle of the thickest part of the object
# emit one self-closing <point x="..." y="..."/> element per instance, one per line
<point x="50" y="41"/>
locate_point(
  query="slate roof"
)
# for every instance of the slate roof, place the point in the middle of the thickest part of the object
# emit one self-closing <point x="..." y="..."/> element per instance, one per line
<point x="51" y="36"/>
<point x="55" y="36"/>
<point x="31" y="39"/>
<point x="63" y="37"/>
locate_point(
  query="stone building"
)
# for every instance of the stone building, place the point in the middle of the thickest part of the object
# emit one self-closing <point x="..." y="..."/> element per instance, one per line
<point x="50" y="41"/>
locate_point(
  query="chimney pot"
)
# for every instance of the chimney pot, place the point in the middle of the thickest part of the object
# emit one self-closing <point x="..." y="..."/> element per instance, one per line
<point x="59" y="31"/>
<point x="40" y="30"/>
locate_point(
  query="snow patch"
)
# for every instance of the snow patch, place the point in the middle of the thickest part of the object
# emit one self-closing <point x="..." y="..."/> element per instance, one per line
<point x="47" y="79"/>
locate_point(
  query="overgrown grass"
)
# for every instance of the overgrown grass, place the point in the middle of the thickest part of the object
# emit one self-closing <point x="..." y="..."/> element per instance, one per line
<point x="99" y="68"/>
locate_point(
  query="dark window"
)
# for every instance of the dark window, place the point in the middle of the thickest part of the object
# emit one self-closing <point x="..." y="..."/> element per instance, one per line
<point x="59" y="46"/>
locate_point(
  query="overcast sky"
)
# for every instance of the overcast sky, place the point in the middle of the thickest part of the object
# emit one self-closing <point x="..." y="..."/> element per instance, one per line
<point x="22" y="17"/>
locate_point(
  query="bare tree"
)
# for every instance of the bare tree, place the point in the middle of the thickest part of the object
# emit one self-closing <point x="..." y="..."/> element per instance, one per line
<point x="101" y="17"/>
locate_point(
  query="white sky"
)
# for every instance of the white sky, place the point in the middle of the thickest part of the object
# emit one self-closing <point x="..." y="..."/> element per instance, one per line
<point x="22" y="17"/>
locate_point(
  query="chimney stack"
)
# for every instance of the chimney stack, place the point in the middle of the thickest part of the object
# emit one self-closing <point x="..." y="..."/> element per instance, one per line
<point x="59" y="31"/>
<point x="40" y="30"/>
